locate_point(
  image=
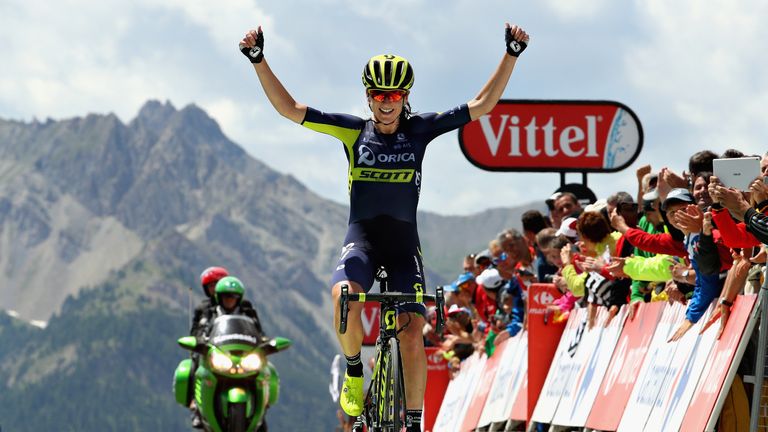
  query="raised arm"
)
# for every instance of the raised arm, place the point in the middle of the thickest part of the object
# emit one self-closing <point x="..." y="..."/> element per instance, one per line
<point x="516" y="40"/>
<point x="252" y="46"/>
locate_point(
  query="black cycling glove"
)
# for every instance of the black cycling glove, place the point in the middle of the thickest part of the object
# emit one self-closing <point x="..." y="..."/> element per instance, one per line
<point x="514" y="48"/>
<point x="255" y="54"/>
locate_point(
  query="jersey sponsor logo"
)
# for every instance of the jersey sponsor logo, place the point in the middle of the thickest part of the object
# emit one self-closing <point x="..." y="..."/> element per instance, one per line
<point x="394" y="158"/>
<point x="366" y="156"/>
<point x="382" y="175"/>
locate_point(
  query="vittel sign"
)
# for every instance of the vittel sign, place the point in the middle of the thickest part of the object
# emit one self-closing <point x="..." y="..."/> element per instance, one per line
<point x="553" y="135"/>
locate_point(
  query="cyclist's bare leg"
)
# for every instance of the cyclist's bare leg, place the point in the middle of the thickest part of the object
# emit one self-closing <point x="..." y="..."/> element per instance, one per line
<point x="351" y="341"/>
<point x="414" y="359"/>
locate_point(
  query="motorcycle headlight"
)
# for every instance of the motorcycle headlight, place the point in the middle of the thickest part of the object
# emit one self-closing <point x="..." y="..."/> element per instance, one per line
<point x="220" y="361"/>
<point x="251" y="362"/>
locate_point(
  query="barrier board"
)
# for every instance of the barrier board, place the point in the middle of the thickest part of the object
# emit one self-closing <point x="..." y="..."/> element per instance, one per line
<point x="502" y="387"/>
<point x="655" y="367"/>
<point x="720" y="361"/>
<point x="457" y="397"/>
<point x="622" y="370"/>
<point x="561" y="368"/>
<point x="594" y="355"/>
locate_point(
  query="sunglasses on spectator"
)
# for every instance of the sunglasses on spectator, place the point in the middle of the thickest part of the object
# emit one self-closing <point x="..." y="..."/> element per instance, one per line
<point x="503" y="257"/>
<point x="392" y="95"/>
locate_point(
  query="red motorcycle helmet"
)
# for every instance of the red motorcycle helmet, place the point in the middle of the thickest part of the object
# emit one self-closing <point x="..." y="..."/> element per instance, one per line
<point x="210" y="276"/>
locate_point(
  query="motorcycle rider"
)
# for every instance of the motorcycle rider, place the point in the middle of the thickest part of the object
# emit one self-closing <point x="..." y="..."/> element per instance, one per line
<point x="229" y="301"/>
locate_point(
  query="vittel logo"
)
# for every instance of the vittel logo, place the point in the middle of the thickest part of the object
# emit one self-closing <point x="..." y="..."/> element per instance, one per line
<point x="538" y="136"/>
<point x="577" y="136"/>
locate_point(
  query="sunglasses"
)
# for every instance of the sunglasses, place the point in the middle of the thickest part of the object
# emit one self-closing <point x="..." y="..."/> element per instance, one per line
<point x="392" y="96"/>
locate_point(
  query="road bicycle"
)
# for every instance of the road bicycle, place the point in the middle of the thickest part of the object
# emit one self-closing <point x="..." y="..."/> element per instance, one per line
<point x="385" y="403"/>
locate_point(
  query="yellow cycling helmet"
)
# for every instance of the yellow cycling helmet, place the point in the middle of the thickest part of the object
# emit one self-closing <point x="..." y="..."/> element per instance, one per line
<point x="388" y="72"/>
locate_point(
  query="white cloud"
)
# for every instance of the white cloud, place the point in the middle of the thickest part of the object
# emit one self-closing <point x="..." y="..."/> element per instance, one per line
<point x="702" y="60"/>
<point x="576" y="10"/>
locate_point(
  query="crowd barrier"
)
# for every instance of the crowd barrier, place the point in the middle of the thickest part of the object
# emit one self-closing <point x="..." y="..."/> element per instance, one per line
<point x="623" y="375"/>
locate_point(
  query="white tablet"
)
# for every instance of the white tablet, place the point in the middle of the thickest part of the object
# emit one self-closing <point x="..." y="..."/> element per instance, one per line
<point x="737" y="173"/>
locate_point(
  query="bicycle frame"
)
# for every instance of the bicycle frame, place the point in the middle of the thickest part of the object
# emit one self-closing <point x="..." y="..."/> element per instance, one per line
<point x="387" y="390"/>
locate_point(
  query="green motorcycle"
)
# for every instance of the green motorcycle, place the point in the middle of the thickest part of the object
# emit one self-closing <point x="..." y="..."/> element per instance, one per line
<point x="234" y="383"/>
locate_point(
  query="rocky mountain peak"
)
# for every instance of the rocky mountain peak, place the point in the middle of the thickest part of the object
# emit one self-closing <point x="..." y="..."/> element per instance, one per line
<point x="154" y="115"/>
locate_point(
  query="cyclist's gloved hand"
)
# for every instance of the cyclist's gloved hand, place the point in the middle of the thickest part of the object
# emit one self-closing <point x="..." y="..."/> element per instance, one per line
<point x="515" y="45"/>
<point x="252" y="45"/>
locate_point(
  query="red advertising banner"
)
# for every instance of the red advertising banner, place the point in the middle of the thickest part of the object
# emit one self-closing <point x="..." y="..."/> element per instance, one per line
<point x="475" y="409"/>
<point x="437" y="383"/>
<point x="543" y="338"/>
<point x="370" y="316"/>
<point x="625" y="364"/>
<point x="720" y="361"/>
<point x="553" y="135"/>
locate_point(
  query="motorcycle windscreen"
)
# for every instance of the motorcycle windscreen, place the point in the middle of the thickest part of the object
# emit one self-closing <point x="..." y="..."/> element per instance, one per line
<point x="234" y="329"/>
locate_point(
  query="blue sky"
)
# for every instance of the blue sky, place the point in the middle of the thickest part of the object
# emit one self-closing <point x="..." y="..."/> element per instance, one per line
<point x="693" y="72"/>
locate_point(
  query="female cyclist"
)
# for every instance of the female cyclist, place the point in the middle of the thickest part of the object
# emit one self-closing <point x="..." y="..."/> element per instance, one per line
<point x="384" y="154"/>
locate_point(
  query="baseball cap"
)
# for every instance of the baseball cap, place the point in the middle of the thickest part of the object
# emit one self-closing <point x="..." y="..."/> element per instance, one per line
<point x="484" y="255"/>
<point x="456" y="309"/>
<point x="462" y="279"/>
<point x="490" y="279"/>
<point x="551" y="200"/>
<point x="597" y="206"/>
<point x="678" y="195"/>
<point x="568" y="228"/>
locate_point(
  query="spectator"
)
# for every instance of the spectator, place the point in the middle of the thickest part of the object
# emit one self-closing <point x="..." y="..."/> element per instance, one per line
<point x="545" y="271"/>
<point x="534" y="223"/>
<point x="483" y="260"/>
<point x="568" y="229"/>
<point x="567" y="205"/>
<point x="554" y="217"/>
<point x="458" y="343"/>
<point x="701" y="161"/>
<point x="468" y="264"/>
<point x="489" y="282"/>
<point x="733" y="200"/>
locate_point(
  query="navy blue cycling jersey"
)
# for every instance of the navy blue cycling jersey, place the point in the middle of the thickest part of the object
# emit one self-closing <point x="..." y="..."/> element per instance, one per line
<point x="385" y="169"/>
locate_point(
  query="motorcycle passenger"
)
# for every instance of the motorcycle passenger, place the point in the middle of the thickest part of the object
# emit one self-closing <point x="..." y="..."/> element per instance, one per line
<point x="201" y="320"/>
<point x="385" y="154"/>
<point x="204" y="311"/>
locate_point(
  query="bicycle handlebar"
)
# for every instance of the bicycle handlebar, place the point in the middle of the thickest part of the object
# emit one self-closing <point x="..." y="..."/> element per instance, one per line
<point x="390" y="297"/>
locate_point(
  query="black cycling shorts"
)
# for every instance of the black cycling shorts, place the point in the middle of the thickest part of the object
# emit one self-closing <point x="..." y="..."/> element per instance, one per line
<point x="383" y="241"/>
